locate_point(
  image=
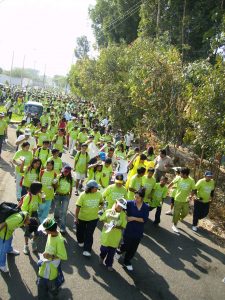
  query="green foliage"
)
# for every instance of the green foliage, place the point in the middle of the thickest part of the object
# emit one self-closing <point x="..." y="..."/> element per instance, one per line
<point x="115" y="21"/>
<point x="60" y="81"/>
<point x="82" y="48"/>
<point x="26" y="73"/>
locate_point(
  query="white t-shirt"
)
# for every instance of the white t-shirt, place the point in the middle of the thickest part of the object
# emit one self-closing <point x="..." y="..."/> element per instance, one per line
<point x="30" y="140"/>
<point x="128" y="139"/>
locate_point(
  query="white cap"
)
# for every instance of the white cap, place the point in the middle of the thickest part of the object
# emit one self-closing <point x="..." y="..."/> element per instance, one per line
<point x="27" y="131"/>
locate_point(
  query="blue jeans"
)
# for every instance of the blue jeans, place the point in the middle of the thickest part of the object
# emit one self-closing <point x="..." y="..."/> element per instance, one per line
<point x="43" y="210"/>
<point x="61" y="206"/>
<point x="1" y="142"/>
<point x="108" y="253"/>
<point x="18" y="187"/>
<point x="5" y="247"/>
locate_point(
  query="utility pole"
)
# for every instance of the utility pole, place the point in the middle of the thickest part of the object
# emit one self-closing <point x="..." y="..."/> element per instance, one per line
<point x="22" y="70"/>
<point x="11" y="68"/>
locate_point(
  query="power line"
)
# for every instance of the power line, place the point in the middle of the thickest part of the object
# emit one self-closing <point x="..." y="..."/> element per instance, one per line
<point x="123" y="20"/>
<point x="130" y="10"/>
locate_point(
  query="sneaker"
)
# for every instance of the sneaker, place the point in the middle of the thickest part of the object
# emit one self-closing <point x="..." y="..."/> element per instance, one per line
<point x="34" y="246"/>
<point x="76" y="193"/>
<point x="26" y="250"/>
<point x="169" y="213"/>
<point x="175" y="229"/>
<point x="110" y="269"/>
<point x="63" y="231"/>
<point x="101" y="260"/>
<point x="117" y="256"/>
<point x="129" y="267"/>
<point x="195" y="228"/>
<point x="86" y="253"/>
<point x="14" y="252"/>
<point x="81" y="245"/>
<point x="4" y="269"/>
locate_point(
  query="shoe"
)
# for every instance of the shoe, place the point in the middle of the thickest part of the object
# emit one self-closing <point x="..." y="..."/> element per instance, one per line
<point x="14" y="252"/>
<point x="34" y="246"/>
<point x="86" y="253"/>
<point x="110" y="269"/>
<point x="76" y="193"/>
<point x="169" y="213"/>
<point x="175" y="229"/>
<point x="155" y="224"/>
<point x="81" y="245"/>
<point x="195" y="228"/>
<point x="117" y="256"/>
<point x="63" y="231"/>
<point x="26" y="250"/>
<point x="101" y="260"/>
<point x="4" y="269"/>
<point x="129" y="267"/>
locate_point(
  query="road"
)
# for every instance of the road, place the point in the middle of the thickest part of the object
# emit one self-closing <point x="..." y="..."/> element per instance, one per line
<point x="167" y="266"/>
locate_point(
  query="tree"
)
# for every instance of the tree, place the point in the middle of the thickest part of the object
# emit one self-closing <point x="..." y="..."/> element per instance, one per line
<point x="115" y="21"/>
<point x="82" y="48"/>
<point x="60" y="81"/>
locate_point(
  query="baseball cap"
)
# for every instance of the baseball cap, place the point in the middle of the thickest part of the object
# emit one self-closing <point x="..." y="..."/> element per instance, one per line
<point x="27" y="131"/>
<point x="122" y="202"/>
<point x="208" y="174"/>
<point x="46" y="224"/>
<point x="92" y="184"/>
<point x="119" y="178"/>
<point x="102" y="156"/>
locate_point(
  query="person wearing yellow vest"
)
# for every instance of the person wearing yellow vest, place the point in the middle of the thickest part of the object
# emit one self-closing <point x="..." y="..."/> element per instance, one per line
<point x="48" y="180"/>
<point x="115" y="221"/>
<point x="86" y="215"/>
<point x="205" y="191"/>
<point x="62" y="196"/>
<point x="50" y="276"/>
<point x="3" y="130"/>
<point x="30" y="204"/>
<point x="7" y="229"/>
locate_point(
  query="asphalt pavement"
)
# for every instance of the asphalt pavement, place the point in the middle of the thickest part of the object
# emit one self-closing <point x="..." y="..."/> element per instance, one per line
<point x="167" y="266"/>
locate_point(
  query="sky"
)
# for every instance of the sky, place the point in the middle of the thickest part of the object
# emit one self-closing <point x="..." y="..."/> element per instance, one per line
<point x="42" y="33"/>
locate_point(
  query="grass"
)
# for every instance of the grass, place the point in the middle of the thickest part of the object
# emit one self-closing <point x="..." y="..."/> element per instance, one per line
<point x="15" y="117"/>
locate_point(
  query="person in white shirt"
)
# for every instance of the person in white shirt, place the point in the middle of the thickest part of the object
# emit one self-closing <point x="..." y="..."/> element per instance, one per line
<point x="28" y="138"/>
<point x="128" y="140"/>
<point x="162" y="164"/>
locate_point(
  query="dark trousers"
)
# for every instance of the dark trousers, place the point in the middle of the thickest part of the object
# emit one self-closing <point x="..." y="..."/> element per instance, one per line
<point x="157" y="213"/>
<point x="46" y="289"/>
<point x="158" y="174"/>
<point x="129" y="246"/>
<point x="108" y="253"/>
<point x="1" y="142"/>
<point x="201" y="210"/>
<point x="85" y="231"/>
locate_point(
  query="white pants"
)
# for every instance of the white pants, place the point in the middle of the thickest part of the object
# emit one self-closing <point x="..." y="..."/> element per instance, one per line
<point x="71" y="145"/>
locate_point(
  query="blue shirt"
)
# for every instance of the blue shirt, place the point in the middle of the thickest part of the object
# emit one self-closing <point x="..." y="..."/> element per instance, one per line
<point x="135" y="229"/>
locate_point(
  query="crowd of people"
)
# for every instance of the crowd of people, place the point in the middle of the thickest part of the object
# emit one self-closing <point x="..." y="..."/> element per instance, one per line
<point x="114" y="182"/>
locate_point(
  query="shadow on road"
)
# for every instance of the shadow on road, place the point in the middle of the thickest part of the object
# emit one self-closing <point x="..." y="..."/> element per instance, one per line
<point x="174" y="249"/>
<point x="7" y="167"/>
<point x="15" y="283"/>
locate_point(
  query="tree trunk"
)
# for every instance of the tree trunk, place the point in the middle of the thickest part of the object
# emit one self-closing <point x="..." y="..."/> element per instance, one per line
<point x="182" y="30"/>
<point x="158" y="18"/>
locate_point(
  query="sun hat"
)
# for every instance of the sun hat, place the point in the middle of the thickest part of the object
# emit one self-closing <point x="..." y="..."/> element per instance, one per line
<point x="46" y="224"/>
<point x="122" y="202"/>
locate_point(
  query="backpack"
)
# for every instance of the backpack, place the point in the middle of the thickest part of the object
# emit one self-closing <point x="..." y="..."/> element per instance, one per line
<point x="22" y="198"/>
<point x="8" y="209"/>
<point x="39" y="150"/>
<point x="79" y="153"/>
